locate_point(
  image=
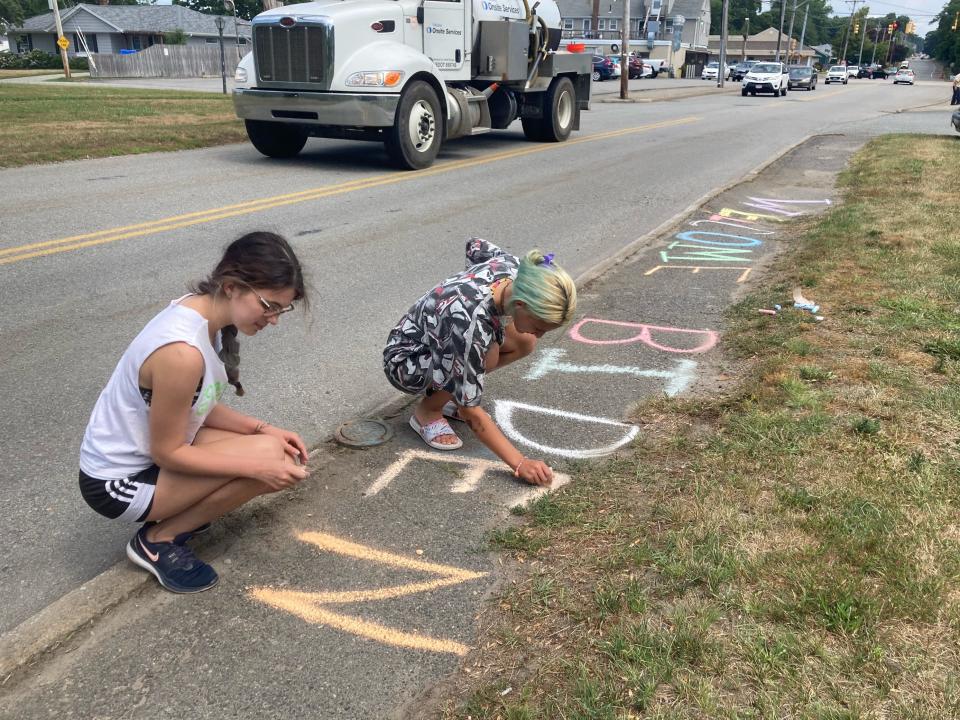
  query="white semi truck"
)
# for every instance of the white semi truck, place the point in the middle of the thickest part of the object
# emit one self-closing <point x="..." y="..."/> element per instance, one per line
<point x="408" y="73"/>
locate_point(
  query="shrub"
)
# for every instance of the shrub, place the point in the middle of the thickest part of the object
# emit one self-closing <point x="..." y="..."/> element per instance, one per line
<point x="38" y="60"/>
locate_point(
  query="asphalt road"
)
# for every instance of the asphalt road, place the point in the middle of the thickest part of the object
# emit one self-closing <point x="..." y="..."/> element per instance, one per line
<point x="372" y="239"/>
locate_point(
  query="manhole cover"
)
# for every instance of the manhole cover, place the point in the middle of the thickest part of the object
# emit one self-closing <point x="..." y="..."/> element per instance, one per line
<point x="363" y="432"/>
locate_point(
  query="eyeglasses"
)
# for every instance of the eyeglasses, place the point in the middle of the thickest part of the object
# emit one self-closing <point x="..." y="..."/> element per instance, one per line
<point x="270" y="308"/>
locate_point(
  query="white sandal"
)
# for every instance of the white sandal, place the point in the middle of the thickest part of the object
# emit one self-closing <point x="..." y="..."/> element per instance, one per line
<point x="432" y="430"/>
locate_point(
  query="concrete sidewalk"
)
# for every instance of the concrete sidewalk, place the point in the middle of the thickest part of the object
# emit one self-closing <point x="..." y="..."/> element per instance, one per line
<point x="352" y="595"/>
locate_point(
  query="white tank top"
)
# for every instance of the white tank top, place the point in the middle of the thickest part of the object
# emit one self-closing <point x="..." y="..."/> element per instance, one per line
<point x="117" y="441"/>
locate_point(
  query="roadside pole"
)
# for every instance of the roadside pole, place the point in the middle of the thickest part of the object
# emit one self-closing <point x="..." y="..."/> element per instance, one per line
<point x="746" y="34"/>
<point x="846" y="36"/>
<point x="793" y="16"/>
<point x="223" y="63"/>
<point x="862" y="38"/>
<point x="722" y="70"/>
<point x="803" y="31"/>
<point x="783" y="16"/>
<point x="62" y="42"/>
<point x="624" y="49"/>
<point x="876" y="41"/>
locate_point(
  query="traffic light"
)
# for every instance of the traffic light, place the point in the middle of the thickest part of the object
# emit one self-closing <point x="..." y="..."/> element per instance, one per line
<point x="896" y="25"/>
<point x="890" y="27"/>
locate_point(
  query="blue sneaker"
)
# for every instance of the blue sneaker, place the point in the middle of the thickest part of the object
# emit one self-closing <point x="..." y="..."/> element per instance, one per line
<point x="173" y="564"/>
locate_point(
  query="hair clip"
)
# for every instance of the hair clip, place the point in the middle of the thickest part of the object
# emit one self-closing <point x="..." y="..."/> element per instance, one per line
<point x="547" y="259"/>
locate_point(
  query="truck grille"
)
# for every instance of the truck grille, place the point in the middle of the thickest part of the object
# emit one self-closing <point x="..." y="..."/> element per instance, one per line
<point x="302" y="54"/>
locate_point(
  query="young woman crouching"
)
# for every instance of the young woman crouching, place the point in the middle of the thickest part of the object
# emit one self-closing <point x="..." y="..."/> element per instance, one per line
<point x="160" y="448"/>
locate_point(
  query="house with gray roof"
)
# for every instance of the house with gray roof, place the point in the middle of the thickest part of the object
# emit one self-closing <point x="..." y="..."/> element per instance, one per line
<point x="112" y="28"/>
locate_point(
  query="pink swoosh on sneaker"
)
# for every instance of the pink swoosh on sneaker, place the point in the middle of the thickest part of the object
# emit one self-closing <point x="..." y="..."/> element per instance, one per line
<point x="153" y="556"/>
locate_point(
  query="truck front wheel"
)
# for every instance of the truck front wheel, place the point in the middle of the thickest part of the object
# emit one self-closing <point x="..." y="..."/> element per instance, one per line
<point x="559" y="113"/>
<point x="414" y="140"/>
<point x="276" y="139"/>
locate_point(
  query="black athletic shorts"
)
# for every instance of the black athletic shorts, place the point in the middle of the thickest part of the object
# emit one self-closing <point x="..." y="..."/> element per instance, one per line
<point x="128" y="498"/>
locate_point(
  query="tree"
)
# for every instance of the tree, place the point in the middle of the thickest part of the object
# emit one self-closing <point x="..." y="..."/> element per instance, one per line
<point x="246" y="9"/>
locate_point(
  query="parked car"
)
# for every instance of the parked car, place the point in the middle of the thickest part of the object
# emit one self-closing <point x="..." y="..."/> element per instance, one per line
<point x="767" y="77"/>
<point x="955" y="120"/>
<point x="615" y="59"/>
<point x="838" y="73"/>
<point x="905" y="76"/>
<point x="602" y="68"/>
<point x="802" y="77"/>
<point x="712" y="69"/>
<point x="853" y="71"/>
<point x="740" y="70"/>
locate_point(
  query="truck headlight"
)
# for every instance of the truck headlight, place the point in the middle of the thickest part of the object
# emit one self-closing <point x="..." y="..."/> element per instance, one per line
<point x="241" y="75"/>
<point x="384" y="78"/>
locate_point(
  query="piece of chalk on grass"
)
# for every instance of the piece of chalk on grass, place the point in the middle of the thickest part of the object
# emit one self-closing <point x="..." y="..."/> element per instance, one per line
<point x="764" y="311"/>
<point x="777" y="307"/>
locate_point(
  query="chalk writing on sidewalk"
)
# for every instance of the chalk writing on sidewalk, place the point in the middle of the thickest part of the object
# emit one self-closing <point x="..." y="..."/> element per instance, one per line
<point x="469" y="479"/>
<point x="551" y="360"/>
<point x="313" y="607"/>
<point x="645" y="335"/>
<point x="694" y="269"/>
<point x="718" y="220"/>
<point x="504" y="411"/>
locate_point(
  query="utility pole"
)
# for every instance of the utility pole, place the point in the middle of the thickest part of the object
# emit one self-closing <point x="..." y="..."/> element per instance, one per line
<point x="876" y="41"/>
<point x="722" y="70"/>
<point x="62" y="42"/>
<point x="746" y="33"/>
<point x="783" y="15"/>
<point x="624" y="49"/>
<point x="219" y="22"/>
<point x="793" y="15"/>
<point x="862" y="38"/>
<point x="803" y="32"/>
<point x="846" y="37"/>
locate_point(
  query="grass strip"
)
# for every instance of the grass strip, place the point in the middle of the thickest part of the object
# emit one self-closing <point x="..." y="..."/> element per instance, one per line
<point x="41" y="124"/>
<point x="791" y="549"/>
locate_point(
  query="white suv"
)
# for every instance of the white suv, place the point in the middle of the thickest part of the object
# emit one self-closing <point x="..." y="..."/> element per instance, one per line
<point x="767" y="77"/>
<point x="838" y="73"/>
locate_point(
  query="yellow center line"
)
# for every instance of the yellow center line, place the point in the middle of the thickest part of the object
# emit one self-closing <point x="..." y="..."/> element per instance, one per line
<point x="76" y="242"/>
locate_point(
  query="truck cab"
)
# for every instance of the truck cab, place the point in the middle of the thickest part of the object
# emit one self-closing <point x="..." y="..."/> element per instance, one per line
<point x="409" y="73"/>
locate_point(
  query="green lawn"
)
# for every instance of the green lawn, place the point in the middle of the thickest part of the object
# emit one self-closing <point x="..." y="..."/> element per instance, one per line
<point x="791" y="549"/>
<point x="8" y="74"/>
<point x="48" y="124"/>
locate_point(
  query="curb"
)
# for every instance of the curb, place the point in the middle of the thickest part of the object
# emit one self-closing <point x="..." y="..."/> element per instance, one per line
<point x="50" y="628"/>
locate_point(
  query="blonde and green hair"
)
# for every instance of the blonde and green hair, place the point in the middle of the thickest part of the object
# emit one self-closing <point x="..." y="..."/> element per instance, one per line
<point x="544" y="288"/>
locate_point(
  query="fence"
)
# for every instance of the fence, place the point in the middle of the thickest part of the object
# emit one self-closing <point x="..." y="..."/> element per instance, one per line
<point x="173" y="61"/>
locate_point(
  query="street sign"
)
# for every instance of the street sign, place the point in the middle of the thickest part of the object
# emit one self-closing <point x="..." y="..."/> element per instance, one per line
<point x="63" y="42"/>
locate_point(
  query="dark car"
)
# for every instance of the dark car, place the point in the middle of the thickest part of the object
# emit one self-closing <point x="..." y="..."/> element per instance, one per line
<point x="955" y="120"/>
<point x="741" y="69"/>
<point x="602" y="68"/>
<point x="802" y="77"/>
